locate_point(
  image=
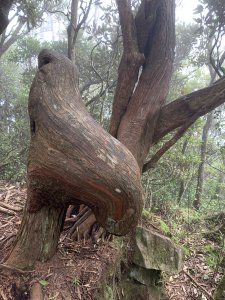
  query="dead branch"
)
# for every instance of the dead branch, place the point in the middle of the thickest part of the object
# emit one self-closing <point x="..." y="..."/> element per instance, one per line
<point x="8" y="268"/>
<point x="87" y="212"/>
<point x="7" y="211"/>
<point x="10" y="207"/>
<point x="198" y="285"/>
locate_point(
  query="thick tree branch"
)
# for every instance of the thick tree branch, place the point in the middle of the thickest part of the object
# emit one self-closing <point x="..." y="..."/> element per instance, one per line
<point x="129" y="66"/>
<point x="138" y="122"/>
<point x="145" y="22"/>
<point x="5" y="6"/>
<point x="176" y="113"/>
<point x="5" y="44"/>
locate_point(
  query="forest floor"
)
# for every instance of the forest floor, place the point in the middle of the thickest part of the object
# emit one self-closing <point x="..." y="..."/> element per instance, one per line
<point x="197" y="280"/>
<point x="78" y="267"/>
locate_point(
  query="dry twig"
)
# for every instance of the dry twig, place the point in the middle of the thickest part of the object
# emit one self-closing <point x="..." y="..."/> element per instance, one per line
<point x="198" y="285"/>
<point x="10" y="207"/>
<point x="7" y="211"/>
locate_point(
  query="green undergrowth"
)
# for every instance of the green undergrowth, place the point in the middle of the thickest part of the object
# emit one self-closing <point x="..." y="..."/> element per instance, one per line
<point x="193" y="231"/>
<point x="213" y="259"/>
<point x="156" y="220"/>
<point x="168" y="228"/>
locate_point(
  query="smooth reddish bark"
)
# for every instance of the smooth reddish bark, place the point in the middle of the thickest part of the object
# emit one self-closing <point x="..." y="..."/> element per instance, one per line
<point x="72" y="160"/>
<point x="156" y="42"/>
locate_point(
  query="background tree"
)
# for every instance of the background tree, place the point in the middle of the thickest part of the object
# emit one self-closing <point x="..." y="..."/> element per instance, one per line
<point x="26" y="15"/>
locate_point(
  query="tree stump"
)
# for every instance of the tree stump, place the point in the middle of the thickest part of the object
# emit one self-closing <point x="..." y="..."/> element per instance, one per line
<point x="72" y="160"/>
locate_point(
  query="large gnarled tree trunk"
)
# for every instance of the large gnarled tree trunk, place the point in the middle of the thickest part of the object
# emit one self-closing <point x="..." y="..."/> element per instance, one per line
<point x="73" y="160"/>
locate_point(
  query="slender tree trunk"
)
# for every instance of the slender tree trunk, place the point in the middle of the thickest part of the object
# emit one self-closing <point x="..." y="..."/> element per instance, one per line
<point x="200" y="178"/>
<point x="75" y="26"/>
<point x="218" y="194"/>
<point x="182" y="183"/>
<point x="218" y="191"/>
<point x="72" y="30"/>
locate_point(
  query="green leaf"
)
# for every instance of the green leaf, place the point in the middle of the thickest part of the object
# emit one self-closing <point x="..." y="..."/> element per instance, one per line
<point x="76" y="281"/>
<point x="44" y="282"/>
<point x="199" y="9"/>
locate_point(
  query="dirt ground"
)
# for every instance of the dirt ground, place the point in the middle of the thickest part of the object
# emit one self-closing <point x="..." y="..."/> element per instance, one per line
<point x="73" y="273"/>
<point x="78" y="267"/>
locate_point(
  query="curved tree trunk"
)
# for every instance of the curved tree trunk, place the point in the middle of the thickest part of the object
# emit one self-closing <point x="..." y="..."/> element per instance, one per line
<point x="71" y="160"/>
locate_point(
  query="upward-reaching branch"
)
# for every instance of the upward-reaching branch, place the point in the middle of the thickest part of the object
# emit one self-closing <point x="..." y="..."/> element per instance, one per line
<point x="138" y="122"/>
<point x="129" y="66"/>
<point x="75" y="25"/>
<point x="6" y="41"/>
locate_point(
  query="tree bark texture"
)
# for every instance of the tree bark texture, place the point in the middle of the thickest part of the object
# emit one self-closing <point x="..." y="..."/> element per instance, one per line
<point x="71" y="160"/>
<point x="178" y="112"/>
<point x="138" y="108"/>
<point x="5" y="6"/>
<point x="38" y="236"/>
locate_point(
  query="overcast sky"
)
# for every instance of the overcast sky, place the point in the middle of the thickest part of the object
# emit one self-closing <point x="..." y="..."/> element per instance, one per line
<point x="184" y="10"/>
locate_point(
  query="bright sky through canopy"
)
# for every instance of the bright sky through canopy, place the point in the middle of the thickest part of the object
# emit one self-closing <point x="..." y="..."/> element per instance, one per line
<point x="184" y="10"/>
